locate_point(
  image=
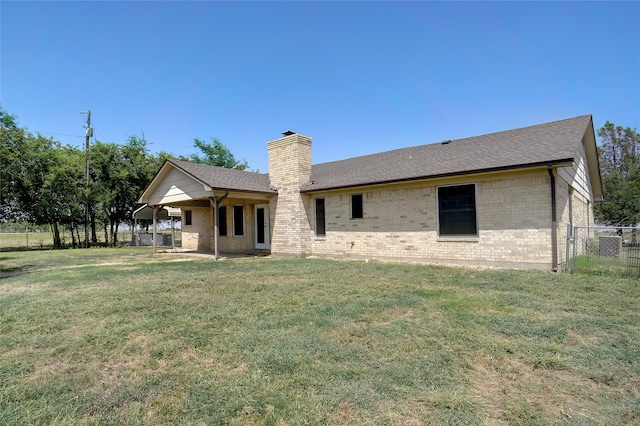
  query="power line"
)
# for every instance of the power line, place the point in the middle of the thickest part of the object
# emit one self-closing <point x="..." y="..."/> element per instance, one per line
<point x="58" y="134"/>
<point x="38" y="106"/>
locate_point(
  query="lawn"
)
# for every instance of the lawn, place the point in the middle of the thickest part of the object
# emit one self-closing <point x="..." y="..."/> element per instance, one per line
<point x="120" y="336"/>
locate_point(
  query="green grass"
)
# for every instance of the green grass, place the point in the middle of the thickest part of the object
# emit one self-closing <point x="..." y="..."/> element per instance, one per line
<point x="599" y="265"/>
<point x="119" y="336"/>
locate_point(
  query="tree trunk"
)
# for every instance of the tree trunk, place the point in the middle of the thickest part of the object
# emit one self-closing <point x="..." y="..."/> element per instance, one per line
<point x="57" y="245"/>
<point x="94" y="236"/>
<point x="73" y="236"/>
<point x="111" y="225"/>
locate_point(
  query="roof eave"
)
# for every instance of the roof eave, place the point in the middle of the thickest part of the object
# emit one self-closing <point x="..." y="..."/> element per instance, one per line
<point x="556" y="163"/>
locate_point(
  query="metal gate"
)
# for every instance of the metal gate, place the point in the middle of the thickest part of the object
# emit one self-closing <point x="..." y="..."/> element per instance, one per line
<point x="604" y="250"/>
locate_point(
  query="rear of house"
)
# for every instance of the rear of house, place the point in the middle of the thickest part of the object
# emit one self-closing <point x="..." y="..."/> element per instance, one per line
<point x="504" y="199"/>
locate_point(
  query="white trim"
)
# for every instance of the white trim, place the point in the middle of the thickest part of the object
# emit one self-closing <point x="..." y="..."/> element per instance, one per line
<point x="267" y="242"/>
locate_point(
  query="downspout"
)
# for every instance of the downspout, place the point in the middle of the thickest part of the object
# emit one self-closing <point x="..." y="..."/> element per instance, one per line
<point x="554" y="222"/>
<point x="216" y="224"/>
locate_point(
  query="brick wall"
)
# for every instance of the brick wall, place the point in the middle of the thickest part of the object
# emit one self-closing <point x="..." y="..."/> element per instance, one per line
<point x="289" y="169"/>
<point x="513" y="217"/>
<point x="200" y="235"/>
<point x="197" y="236"/>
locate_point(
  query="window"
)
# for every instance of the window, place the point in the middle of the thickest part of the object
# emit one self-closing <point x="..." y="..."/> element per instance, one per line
<point x="320" y="228"/>
<point x="222" y="220"/>
<point x="457" y="210"/>
<point x="238" y="220"/>
<point x="187" y="217"/>
<point x="357" y="210"/>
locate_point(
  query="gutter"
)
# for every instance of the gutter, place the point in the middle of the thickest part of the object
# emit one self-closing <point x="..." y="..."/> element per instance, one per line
<point x="558" y="163"/>
<point x="554" y="221"/>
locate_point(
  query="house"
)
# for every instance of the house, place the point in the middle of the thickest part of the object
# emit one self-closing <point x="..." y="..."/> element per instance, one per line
<point x="505" y="199"/>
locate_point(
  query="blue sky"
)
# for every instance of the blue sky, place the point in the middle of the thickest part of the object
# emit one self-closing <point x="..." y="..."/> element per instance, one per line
<point x="358" y="77"/>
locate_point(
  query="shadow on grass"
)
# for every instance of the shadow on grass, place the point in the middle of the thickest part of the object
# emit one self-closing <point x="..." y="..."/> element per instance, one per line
<point x="15" y="271"/>
<point x="35" y="248"/>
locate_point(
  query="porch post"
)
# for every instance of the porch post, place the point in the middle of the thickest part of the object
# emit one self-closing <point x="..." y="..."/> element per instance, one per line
<point x="216" y="223"/>
<point x="173" y="233"/>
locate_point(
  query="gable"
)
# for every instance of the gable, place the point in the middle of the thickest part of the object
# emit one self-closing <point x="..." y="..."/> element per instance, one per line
<point x="584" y="174"/>
<point x="181" y="181"/>
<point x="174" y="186"/>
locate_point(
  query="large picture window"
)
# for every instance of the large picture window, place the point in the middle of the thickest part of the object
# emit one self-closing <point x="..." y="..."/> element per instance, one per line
<point x="357" y="209"/>
<point x="320" y="221"/>
<point x="457" y="210"/>
<point x="238" y="220"/>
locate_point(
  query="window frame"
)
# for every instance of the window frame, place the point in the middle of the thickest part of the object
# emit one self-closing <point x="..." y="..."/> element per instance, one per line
<point x="188" y="218"/>
<point x="236" y="221"/>
<point x="317" y="216"/>
<point x="447" y="233"/>
<point x="354" y="205"/>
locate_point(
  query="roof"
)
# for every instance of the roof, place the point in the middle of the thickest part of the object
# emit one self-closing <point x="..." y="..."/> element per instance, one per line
<point x="221" y="178"/>
<point x="550" y="143"/>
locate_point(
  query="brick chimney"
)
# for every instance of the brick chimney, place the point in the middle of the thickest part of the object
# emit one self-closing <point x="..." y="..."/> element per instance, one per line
<point x="289" y="170"/>
<point x="289" y="160"/>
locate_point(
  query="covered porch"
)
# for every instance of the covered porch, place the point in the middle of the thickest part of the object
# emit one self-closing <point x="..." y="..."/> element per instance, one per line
<point x="223" y="210"/>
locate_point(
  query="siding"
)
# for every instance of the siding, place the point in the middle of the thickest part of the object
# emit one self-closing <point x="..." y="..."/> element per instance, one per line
<point x="577" y="176"/>
<point x="177" y="186"/>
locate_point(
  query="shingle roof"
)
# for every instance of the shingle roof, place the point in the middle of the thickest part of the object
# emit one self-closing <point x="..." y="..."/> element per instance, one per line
<point x="555" y="142"/>
<point x="225" y="179"/>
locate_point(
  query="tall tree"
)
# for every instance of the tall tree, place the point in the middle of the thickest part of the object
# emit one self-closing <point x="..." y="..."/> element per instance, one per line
<point x="620" y="167"/>
<point x="46" y="178"/>
<point x="119" y="174"/>
<point x="216" y="154"/>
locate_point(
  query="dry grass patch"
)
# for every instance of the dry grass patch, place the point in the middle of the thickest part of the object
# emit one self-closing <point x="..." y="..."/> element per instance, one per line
<point x="117" y="336"/>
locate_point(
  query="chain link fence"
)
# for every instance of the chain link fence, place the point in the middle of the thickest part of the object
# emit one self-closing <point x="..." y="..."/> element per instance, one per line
<point x="604" y="250"/>
<point x="39" y="240"/>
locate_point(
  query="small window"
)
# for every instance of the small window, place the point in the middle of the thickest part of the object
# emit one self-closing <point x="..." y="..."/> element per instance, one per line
<point x="357" y="210"/>
<point x="238" y="220"/>
<point x="222" y="220"/>
<point x="187" y="217"/>
<point x="320" y="223"/>
<point x="457" y="210"/>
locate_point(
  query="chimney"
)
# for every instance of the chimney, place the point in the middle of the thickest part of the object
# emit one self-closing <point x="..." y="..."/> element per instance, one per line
<point x="289" y="160"/>
<point x="289" y="170"/>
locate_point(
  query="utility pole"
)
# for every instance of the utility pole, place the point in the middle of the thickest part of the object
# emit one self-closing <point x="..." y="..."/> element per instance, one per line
<point x="88" y="134"/>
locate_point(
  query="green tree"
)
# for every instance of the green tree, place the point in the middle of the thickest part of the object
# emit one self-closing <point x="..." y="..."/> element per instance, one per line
<point x="7" y="120"/>
<point x="45" y="181"/>
<point x="620" y="168"/>
<point x="216" y="154"/>
<point x="119" y="174"/>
